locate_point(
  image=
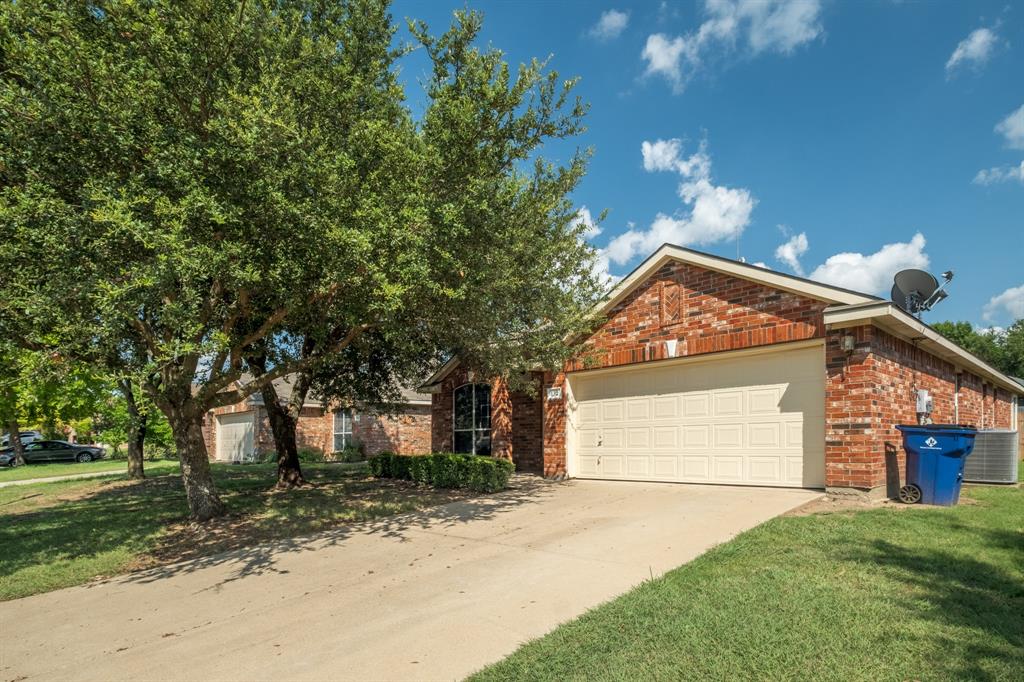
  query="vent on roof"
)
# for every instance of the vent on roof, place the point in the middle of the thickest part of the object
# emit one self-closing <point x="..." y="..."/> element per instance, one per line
<point x="994" y="458"/>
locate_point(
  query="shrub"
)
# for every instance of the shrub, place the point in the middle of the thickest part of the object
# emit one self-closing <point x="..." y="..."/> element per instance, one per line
<point x="401" y="467"/>
<point x="421" y="469"/>
<point x="350" y="454"/>
<point x="445" y="470"/>
<point x="488" y="474"/>
<point x="380" y="465"/>
<point x="311" y="455"/>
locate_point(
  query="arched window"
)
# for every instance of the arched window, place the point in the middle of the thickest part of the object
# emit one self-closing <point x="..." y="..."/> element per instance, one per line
<point x="471" y="420"/>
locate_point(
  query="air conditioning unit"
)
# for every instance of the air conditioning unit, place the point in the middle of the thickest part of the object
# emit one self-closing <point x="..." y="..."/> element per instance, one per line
<point x="994" y="459"/>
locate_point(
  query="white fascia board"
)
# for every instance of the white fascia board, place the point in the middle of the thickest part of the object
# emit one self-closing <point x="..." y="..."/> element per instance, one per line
<point x="893" y="319"/>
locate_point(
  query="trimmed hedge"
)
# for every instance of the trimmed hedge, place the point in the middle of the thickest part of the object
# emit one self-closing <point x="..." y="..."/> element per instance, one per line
<point x="445" y="470"/>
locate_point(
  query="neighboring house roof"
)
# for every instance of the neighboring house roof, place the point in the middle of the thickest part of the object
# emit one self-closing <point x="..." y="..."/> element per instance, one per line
<point x="848" y="306"/>
<point x="286" y="384"/>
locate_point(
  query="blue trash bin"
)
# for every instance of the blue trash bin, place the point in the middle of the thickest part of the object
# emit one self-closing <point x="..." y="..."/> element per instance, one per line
<point x="936" y="454"/>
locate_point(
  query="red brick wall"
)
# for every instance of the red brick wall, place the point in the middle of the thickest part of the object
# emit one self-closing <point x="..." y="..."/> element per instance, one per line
<point x="705" y="311"/>
<point x="515" y="421"/>
<point x="872" y="390"/>
<point x="406" y="433"/>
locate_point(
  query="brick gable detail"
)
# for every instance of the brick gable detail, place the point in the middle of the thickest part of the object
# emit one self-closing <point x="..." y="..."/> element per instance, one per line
<point x="704" y="312"/>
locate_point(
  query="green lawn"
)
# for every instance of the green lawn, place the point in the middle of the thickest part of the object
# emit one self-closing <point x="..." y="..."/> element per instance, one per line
<point x="883" y="594"/>
<point x="23" y="473"/>
<point x="65" y="533"/>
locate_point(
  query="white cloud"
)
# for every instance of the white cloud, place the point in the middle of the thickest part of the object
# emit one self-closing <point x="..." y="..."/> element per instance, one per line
<point x="974" y="50"/>
<point x="872" y="273"/>
<point x="1010" y="302"/>
<point x="663" y="55"/>
<point x="611" y="25"/>
<point x="583" y="217"/>
<point x="791" y="251"/>
<point x="759" y="25"/>
<point x="1012" y="128"/>
<point x="715" y="214"/>
<point x="761" y="264"/>
<point x="1000" y="174"/>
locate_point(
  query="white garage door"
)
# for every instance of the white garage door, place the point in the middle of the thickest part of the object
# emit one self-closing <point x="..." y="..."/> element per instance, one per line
<point x="234" y="436"/>
<point x="749" y="419"/>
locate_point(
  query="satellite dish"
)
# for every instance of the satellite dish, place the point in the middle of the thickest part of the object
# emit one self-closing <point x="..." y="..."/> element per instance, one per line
<point x="916" y="290"/>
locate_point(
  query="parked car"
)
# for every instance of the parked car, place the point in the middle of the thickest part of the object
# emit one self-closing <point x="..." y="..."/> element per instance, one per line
<point x="26" y="437"/>
<point x="61" y="451"/>
<point x="7" y="457"/>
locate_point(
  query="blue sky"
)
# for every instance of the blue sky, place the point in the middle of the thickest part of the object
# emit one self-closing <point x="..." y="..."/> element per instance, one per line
<point x="839" y="140"/>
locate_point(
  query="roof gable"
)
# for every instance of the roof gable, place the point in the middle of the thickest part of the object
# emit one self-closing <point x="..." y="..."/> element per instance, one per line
<point x="777" y="280"/>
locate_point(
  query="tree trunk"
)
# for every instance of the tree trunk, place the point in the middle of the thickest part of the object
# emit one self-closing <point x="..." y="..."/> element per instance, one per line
<point x="282" y="424"/>
<point x="187" y="426"/>
<point x="14" y="440"/>
<point x="136" y="432"/>
<point x="283" y="421"/>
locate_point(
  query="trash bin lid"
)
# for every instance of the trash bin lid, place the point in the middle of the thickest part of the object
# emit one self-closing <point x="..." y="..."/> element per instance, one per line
<point x="962" y="428"/>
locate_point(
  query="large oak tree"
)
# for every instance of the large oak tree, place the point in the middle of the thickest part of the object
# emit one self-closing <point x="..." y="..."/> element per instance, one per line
<point x="188" y="186"/>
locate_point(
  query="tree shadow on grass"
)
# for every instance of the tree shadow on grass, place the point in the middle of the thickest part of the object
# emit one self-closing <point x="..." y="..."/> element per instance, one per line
<point x="148" y="520"/>
<point x="952" y="589"/>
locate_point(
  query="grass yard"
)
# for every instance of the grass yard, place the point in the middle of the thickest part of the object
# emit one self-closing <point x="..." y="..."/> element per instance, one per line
<point x="883" y="594"/>
<point x="65" y="533"/>
<point x="114" y="466"/>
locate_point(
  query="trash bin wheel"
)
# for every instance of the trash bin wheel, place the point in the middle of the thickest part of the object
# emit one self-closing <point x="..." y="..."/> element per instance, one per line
<point x="910" y="494"/>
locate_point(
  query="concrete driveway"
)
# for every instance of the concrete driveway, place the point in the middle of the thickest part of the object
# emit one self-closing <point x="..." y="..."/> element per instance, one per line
<point x="432" y="595"/>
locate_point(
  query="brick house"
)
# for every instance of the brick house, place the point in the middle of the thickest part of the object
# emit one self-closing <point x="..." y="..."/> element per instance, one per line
<point x="709" y="370"/>
<point x="234" y="432"/>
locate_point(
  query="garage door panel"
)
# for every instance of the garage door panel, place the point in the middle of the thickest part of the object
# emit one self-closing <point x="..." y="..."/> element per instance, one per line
<point x="589" y="437"/>
<point x="612" y="465"/>
<point x="728" y="403"/>
<point x="764" y="435"/>
<point x="794" y="470"/>
<point x="666" y="437"/>
<point x="588" y="465"/>
<point x="765" y="469"/>
<point x="665" y="467"/>
<point x="696" y="437"/>
<point x="613" y="438"/>
<point x="638" y="438"/>
<point x="613" y="410"/>
<point x="727" y="435"/>
<point x="728" y="469"/>
<point x="638" y="409"/>
<point x="637" y="465"/>
<point x="666" y="407"/>
<point x="590" y="413"/>
<point x="696" y="467"/>
<point x="696" y="405"/>
<point x="794" y="434"/>
<point x="764" y="400"/>
<point x="756" y="419"/>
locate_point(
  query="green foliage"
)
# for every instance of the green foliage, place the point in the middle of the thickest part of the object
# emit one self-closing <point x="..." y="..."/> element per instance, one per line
<point x="380" y="465"/>
<point x="186" y="185"/>
<point x="400" y="467"/>
<point x="1001" y="348"/>
<point x="308" y="454"/>
<point x="112" y="421"/>
<point x="445" y="470"/>
<point x="351" y="454"/>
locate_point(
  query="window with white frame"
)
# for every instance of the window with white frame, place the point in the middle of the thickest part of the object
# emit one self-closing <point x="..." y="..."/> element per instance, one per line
<point x="471" y="419"/>
<point x="342" y="429"/>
